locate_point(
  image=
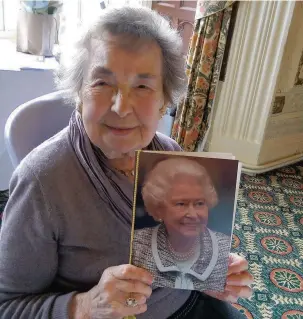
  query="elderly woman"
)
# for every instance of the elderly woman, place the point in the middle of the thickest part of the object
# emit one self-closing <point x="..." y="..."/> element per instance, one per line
<point x="181" y="252"/>
<point x="66" y="228"/>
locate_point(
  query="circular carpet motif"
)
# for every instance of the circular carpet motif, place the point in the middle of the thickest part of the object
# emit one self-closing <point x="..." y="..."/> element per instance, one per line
<point x="266" y="218"/>
<point x="260" y="197"/>
<point x="292" y="314"/>
<point x="287" y="170"/>
<point x="276" y="245"/>
<point x="243" y="310"/>
<point x="259" y="180"/>
<point x="286" y="280"/>
<point x="292" y="183"/>
<point x="297" y="200"/>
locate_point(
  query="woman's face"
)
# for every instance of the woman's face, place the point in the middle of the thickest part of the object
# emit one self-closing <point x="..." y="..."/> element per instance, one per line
<point x="122" y="95"/>
<point x="185" y="212"/>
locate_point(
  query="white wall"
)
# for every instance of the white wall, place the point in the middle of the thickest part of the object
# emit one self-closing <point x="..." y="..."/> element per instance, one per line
<point x="284" y="132"/>
<point x="244" y="105"/>
<point x="17" y="87"/>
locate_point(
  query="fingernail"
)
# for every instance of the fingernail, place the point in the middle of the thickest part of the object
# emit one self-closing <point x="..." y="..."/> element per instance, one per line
<point x="142" y="299"/>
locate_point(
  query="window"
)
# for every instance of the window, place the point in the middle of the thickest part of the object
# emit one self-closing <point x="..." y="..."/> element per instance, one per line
<point x="76" y="10"/>
<point x="8" y="15"/>
<point x="81" y="12"/>
<point x="74" y="13"/>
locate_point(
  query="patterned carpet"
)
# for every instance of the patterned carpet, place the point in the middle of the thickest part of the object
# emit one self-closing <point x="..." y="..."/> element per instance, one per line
<point x="269" y="233"/>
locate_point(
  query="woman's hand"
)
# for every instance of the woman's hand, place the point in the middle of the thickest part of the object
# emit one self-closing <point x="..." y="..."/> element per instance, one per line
<point x="238" y="281"/>
<point x="107" y="300"/>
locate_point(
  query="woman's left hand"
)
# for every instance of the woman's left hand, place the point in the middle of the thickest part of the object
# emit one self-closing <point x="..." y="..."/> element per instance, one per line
<point x="238" y="281"/>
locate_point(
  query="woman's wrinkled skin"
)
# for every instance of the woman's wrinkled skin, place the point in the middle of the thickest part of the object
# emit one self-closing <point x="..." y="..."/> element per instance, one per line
<point x="184" y="213"/>
<point x="122" y="96"/>
<point x="238" y="282"/>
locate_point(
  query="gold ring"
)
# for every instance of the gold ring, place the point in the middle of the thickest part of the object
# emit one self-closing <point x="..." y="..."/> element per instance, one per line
<point x="131" y="302"/>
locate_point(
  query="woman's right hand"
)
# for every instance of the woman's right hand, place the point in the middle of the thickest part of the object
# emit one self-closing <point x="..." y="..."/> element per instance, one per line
<point x="107" y="300"/>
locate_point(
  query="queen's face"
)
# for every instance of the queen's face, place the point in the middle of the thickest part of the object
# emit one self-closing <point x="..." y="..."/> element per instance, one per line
<point x="122" y="95"/>
<point x="185" y="212"/>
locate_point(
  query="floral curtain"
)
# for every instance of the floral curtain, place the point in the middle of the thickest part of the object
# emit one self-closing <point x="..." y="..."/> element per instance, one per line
<point x="203" y="66"/>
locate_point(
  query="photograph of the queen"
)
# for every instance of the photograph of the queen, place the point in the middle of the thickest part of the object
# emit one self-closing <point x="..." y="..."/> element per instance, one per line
<point x="177" y="246"/>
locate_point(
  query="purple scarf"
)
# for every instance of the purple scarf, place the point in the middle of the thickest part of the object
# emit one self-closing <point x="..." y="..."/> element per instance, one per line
<point x="112" y="187"/>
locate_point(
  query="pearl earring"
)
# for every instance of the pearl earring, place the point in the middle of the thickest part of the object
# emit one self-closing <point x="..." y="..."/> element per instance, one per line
<point x="160" y="220"/>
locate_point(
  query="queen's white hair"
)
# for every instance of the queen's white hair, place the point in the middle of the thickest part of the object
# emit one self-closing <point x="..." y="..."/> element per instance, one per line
<point x="158" y="181"/>
<point x="130" y="25"/>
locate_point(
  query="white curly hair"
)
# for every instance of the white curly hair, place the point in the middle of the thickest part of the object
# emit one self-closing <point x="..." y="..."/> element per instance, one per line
<point x="157" y="182"/>
<point x="131" y="25"/>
